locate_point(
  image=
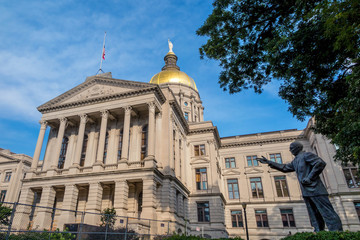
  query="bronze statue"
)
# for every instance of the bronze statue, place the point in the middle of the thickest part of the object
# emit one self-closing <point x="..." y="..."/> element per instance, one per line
<point x="308" y="167"/>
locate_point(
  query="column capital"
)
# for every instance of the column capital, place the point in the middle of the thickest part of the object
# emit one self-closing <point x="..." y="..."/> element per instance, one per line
<point x="63" y="120"/>
<point x="43" y="123"/>
<point x="104" y="113"/>
<point x="151" y="106"/>
<point x="83" y="118"/>
<point x="127" y="109"/>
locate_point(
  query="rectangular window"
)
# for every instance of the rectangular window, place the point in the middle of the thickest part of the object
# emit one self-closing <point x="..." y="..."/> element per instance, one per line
<point x="287" y="217"/>
<point x="251" y="161"/>
<point x="7" y="177"/>
<point x="236" y="218"/>
<point x="351" y="177"/>
<point x="357" y="208"/>
<point x="276" y="157"/>
<point x="186" y="115"/>
<point x="2" y="195"/>
<point x="261" y="218"/>
<point x="230" y="163"/>
<point x="201" y="179"/>
<point x="199" y="150"/>
<point x="233" y="188"/>
<point x="256" y="187"/>
<point x="281" y="186"/>
<point x="203" y="212"/>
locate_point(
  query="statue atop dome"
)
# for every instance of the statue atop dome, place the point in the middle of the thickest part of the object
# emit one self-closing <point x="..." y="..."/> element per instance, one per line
<point x="170" y="46"/>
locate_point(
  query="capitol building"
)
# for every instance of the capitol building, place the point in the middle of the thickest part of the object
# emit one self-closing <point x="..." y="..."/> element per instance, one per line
<point x="145" y="150"/>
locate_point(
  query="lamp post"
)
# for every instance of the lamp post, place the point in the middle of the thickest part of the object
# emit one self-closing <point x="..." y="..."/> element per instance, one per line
<point x="246" y="225"/>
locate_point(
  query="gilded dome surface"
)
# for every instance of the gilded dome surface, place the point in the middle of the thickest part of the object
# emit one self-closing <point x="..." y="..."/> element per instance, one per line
<point x="173" y="76"/>
<point x="171" y="72"/>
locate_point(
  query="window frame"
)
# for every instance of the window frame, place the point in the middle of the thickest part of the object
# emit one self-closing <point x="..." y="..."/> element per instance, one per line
<point x="144" y="142"/>
<point x="83" y="150"/>
<point x="7" y="176"/>
<point x="284" y="188"/>
<point x="232" y="193"/>
<point x="264" y="220"/>
<point x="3" y="195"/>
<point x="357" y="209"/>
<point x="63" y="152"/>
<point x="237" y="219"/>
<point x="275" y="156"/>
<point x="286" y="217"/>
<point x="252" y="160"/>
<point x="202" y="217"/>
<point x="120" y="142"/>
<point x="199" y="175"/>
<point x="230" y="162"/>
<point x="353" y="181"/>
<point x="259" y="191"/>
<point x="199" y="150"/>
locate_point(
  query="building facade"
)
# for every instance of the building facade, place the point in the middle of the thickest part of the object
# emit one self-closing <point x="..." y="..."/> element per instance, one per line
<point x="13" y="168"/>
<point x="145" y="150"/>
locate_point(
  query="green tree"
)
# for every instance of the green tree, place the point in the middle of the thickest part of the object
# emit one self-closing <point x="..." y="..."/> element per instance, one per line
<point x="5" y="213"/>
<point x="312" y="47"/>
<point x="108" y="217"/>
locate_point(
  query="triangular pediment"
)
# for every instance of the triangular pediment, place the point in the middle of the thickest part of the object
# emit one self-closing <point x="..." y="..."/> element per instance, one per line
<point x="96" y="87"/>
<point x="253" y="170"/>
<point x="231" y="172"/>
<point x="199" y="161"/>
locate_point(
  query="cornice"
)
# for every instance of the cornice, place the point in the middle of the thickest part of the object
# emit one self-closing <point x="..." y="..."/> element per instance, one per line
<point x="14" y="159"/>
<point x="8" y="157"/>
<point x="212" y="129"/>
<point x="262" y="141"/>
<point x="116" y="96"/>
<point x="177" y="110"/>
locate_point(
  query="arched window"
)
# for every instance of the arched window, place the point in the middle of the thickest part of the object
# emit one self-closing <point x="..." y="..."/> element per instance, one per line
<point x="63" y="150"/>
<point x="120" y="145"/>
<point x="144" y="137"/>
<point x="83" y="151"/>
<point x="106" y="147"/>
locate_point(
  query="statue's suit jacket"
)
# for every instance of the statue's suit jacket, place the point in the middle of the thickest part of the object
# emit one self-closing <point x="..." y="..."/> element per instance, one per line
<point x="306" y="165"/>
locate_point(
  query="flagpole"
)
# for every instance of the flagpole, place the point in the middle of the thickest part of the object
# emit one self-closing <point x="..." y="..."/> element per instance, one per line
<point x="102" y="52"/>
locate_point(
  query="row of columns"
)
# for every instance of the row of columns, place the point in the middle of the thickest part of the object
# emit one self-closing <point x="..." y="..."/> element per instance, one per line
<point x="44" y="209"/>
<point x="103" y="128"/>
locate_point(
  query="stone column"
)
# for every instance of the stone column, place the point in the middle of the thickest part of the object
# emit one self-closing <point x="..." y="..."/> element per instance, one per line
<point x="126" y="135"/>
<point x="181" y="100"/>
<point x="202" y="114"/>
<point x="171" y="147"/>
<point x="192" y="110"/>
<point x="150" y="158"/>
<point x="177" y="160"/>
<point x="182" y="159"/>
<point x="149" y="197"/>
<point x="22" y="213"/>
<point x="121" y="197"/>
<point x="61" y="132"/>
<point x="39" y="144"/>
<point x="80" y="140"/>
<point x="43" y="219"/>
<point x="93" y="205"/>
<point x="101" y="145"/>
<point x="69" y="203"/>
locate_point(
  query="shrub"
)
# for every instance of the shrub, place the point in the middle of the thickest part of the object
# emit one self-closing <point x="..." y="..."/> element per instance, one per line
<point x="323" y="235"/>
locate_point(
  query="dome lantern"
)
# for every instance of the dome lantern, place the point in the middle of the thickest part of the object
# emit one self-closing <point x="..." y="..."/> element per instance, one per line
<point x="171" y="73"/>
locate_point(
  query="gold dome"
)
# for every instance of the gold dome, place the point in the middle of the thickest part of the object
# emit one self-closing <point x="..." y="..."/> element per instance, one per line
<point x="171" y="73"/>
<point x="173" y="76"/>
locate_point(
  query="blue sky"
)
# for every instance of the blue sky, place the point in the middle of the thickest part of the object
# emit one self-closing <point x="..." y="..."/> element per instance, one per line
<point x="48" y="47"/>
